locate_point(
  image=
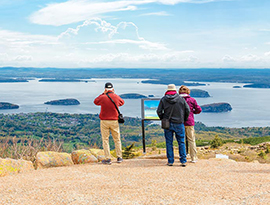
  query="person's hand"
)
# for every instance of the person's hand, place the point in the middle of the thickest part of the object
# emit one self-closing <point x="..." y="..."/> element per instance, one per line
<point x="106" y="91"/>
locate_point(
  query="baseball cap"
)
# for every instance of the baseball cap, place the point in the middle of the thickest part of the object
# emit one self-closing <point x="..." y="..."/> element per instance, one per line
<point x="108" y="85"/>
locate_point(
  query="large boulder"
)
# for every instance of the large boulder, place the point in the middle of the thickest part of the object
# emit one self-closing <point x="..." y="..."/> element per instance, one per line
<point x="83" y="156"/>
<point x="99" y="154"/>
<point x="12" y="166"/>
<point x="53" y="159"/>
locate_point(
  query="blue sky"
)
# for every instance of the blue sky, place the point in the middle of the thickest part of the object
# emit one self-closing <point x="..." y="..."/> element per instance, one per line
<point x="135" y="33"/>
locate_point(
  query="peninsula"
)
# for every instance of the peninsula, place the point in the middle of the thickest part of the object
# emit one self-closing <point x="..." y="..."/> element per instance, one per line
<point x="69" y="101"/>
<point x="13" y="80"/>
<point x="257" y="85"/>
<point x="59" y="80"/>
<point x="63" y="80"/>
<point x="169" y="81"/>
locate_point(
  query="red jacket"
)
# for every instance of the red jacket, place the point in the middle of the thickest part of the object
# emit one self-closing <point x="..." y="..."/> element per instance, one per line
<point x="108" y="110"/>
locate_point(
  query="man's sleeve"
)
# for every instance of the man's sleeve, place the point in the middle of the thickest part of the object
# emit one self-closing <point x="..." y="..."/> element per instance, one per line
<point x="160" y="110"/>
<point x="121" y="101"/>
<point x="97" y="101"/>
<point x="187" y="111"/>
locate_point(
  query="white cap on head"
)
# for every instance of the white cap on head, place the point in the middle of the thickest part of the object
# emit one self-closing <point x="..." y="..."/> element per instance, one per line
<point x="171" y="87"/>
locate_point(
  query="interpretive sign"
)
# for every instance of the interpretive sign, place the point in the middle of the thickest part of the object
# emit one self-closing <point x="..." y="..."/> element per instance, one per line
<point x="149" y="108"/>
<point x="149" y="112"/>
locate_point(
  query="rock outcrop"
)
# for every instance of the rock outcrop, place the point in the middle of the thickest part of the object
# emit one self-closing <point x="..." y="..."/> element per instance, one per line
<point x="12" y="166"/>
<point x="83" y="156"/>
<point x="53" y="159"/>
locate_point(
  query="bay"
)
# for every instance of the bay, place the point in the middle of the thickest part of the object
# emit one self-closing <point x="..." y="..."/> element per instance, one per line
<point x="250" y="105"/>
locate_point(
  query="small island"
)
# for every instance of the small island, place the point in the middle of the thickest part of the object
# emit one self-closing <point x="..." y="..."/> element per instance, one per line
<point x="6" y="106"/>
<point x="198" y="93"/>
<point x="132" y="96"/>
<point x="69" y="101"/>
<point x="217" y="107"/>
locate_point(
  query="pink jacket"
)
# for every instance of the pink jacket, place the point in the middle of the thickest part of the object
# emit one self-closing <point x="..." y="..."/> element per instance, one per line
<point x="194" y="109"/>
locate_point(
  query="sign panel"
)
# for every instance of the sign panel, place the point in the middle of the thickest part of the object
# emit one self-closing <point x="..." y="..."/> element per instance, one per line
<point x="149" y="108"/>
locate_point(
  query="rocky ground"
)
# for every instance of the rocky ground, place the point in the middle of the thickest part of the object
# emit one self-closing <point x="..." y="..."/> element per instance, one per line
<point x="141" y="181"/>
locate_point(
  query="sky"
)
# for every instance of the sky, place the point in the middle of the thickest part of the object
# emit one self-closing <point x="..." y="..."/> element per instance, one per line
<point x="135" y="33"/>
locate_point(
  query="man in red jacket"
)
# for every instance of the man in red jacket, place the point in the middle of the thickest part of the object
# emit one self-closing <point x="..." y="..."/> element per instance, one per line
<point x="109" y="122"/>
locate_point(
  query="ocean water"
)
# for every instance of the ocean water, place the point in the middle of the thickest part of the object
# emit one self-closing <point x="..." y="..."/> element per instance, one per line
<point x="250" y="106"/>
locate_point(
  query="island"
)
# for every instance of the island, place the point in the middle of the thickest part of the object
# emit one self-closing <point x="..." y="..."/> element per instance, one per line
<point x="5" y="106"/>
<point x="69" y="101"/>
<point x="217" y="107"/>
<point x="132" y="96"/>
<point x="257" y="85"/>
<point x="198" y="93"/>
<point x="237" y="86"/>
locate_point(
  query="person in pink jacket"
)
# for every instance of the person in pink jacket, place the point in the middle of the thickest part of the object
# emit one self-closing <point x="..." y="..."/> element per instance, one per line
<point x="189" y="124"/>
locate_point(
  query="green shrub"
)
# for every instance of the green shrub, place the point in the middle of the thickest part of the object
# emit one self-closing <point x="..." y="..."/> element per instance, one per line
<point x="262" y="154"/>
<point x="216" y="142"/>
<point x="267" y="149"/>
<point x="127" y="154"/>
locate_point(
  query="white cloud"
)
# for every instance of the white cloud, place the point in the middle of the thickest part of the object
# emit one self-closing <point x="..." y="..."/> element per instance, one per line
<point x="250" y="57"/>
<point x="106" y="33"/>
<point x="267" y="54"/>
<point x="23" y="58"/>
<point x="146" y="45"/>
<point x="173" y="59"/>
<point x="228" y="59"/>
<point x="161" y="13"/>
<point x="73" y="11"/>
<point x="3" y="56"/>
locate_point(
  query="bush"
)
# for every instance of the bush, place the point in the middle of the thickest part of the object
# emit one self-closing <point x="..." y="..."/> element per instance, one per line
<point x="267" y="149"/>
<point x="216" y="142"/>
<point x="127" y="154"/>
<point x="262" y="154"/>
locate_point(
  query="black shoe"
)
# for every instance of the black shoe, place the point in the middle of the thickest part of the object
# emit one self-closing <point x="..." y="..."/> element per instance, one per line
<point x="106" y="161"/>
<point x="169" y="164"/>
<point x="119" y="159"/>
<point x="183" y="164"/>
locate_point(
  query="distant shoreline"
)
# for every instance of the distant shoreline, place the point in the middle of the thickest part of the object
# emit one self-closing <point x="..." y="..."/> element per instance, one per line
<point x="154" y="75"/>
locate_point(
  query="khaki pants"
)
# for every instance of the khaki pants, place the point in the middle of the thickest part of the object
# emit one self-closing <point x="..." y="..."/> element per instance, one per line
<point x="105" y="127"/>
<point x="190" y="134"/>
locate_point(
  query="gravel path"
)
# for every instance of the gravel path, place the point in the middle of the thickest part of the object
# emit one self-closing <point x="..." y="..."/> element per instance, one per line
<point x="141" y="181"/>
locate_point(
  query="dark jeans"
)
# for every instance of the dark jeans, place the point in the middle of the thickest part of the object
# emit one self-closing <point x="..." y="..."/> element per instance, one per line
<point x="179" y="130"/>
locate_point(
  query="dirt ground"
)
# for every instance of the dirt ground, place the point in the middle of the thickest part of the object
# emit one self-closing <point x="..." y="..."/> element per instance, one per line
<point x="141" y="181"/>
